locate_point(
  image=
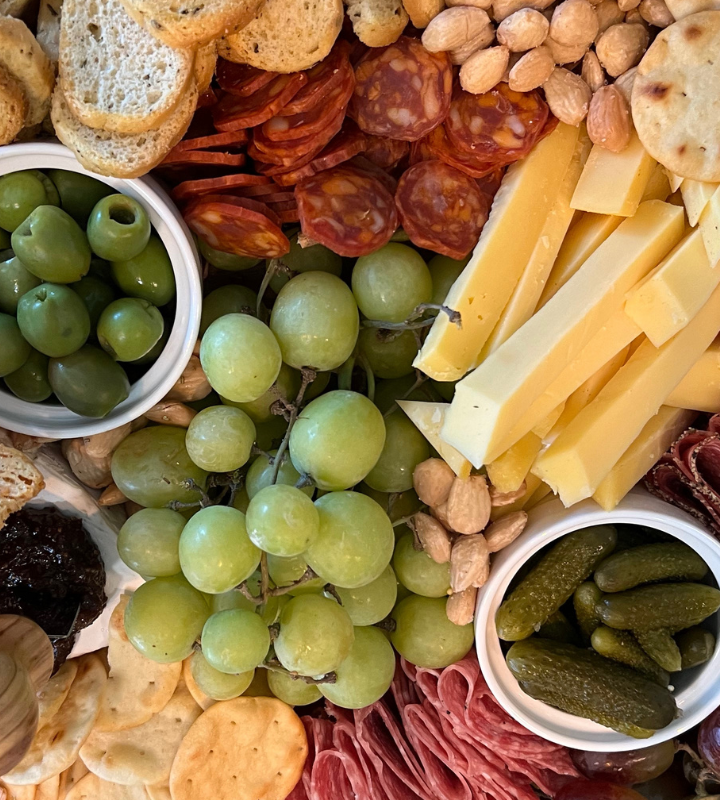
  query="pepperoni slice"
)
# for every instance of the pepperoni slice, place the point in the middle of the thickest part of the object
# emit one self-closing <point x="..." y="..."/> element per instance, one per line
<point x="441" y="208"/>
<point x="322" y="79"/>
<point x="204" y="157"/>
<point x="347" y="210"/>
<point x="233" y="228"/>
<point x="500" y="126"/>
<point x="243" y="202"/>
<point x="241" y="79"/>
<point x="233" y="113"/>
<point x="188" y="189"/>
<point x="402" y="91"/>
<point x="229" y="139"/>
<point x="384" y="152"/>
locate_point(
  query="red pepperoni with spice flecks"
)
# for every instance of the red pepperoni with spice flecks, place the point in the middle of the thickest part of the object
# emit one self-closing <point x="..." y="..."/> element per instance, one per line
<point x="347" y="210"/>
<point x="322" y="79"/>
<point x="234" y="113"/>
<point x="190" y="189"/>
<point x="241" y="79"/>
<point x="441" y="208"/>
<point x="402" y="91"/>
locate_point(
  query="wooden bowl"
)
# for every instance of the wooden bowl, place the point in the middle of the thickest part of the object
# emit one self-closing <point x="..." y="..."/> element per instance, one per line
<point x="18" y="713"/>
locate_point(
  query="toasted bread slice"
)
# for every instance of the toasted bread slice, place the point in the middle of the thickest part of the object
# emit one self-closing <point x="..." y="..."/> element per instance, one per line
<point x="14" y="8"/>
<point x="24" y="59"/>
<point x="377" y="23"/>
<point x="20" y="481"/>
<point x="287" y="35"/>
<point x="189" y="23"/>
<point x="13" y="107"/>
<point x="205" y="61"/>
<point x="48" y="28"/>
<point x="121" y="155"/>
<point x="422" y="11"/>
<point x="115" y="75"/>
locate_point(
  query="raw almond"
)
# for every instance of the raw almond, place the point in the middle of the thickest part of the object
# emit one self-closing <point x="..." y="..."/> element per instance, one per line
<point x="432" y="480"/>
<point x="484" y="69"/>
<point x="656" y="12"/>
<point x="625" y="83"/>
<point x="634" y="17"/>
<point x="469" y="563"/>
<point x="460" y="606"/>
<point x="592" y="72"/>
<point x="568" y="96"/>
<point x="628" y="5"/>
<point x="192" y="384"/>
<point x="505" y="530"/>
<point x="506" y="498"/>
<point x="621" y="47"/>
<point x="440" y="514"/>
<point x="608" y="121"/>
<point x="171" y="413"/>
<point x="532" y="70"/>
<point x="112" y="496"/>
<point x="566" y="53"/>
<point x="574" y="22"/>
<point x="433" y="537"/>
<point x="608" y="13"/>
<point x="454" y="27"/>
<point x="523" y="30"/>
<point x="461" y="54"/>
<point x="484" y="4"/>
<point x="503" y="8"/>
<point x="468" y="505"/>
<point x="93" y="471"/>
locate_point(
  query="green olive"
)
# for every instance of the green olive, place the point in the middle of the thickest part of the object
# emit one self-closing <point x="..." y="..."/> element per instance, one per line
<point x="53" y="319"/>
<point x="30" y="382"/>
<point x="53" y="198"/>
<point x="118" y="228"/>
<point x="4" y="240"/>
<point x="129" y="328"/>
<point x="15" y="351"/>
<point x="149" y="275"/>
<point x="96" y="294"/>
<point x="79" y="194"/>
<point x="20" y="194"/>
<point x="226" y="261"/>
<point x="15" y="281"/>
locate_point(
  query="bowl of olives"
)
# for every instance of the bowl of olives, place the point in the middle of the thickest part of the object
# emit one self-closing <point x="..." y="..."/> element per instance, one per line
<point x="100" y="294"/>
<point x="597" y="630"/>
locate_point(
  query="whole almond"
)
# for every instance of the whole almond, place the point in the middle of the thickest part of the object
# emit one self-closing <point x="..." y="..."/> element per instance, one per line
<point x="171" y="413"/>
<point x="608" y="13"/>
<point x="433" y="537"/>
<point x="566" y="53"/>
<point x="469" y="563"/>
<point x="93" y="471"/>
<point x="484" y="69"/>
<point x="568" y="96"/>
<point x="440" y="514"/>
<point x="421" y="13"/>
<point x="468" y="505"/>
<point x="656" y="12"/>
<point x="505" y="530"/>
<point x="574" y="22"/>
<point x="592" y="72"/>
<point x="454" y="27"/>
<point x="191" y="385"/>
<point x="484" y="4"/>
<point x="625" y="83"/>
<point x="621" y="47"/>
<point x="432" y="480"/>
<point x="608" y="122"/>
<point x="634" y="17"/>
<point x="104" y="444"/>
<point x="112" y="496"/>
<point x="460" y="606"/>
<point x="532" y="70"/>
<point x="503" y="8"/>
<point x="499" y="499"/>
<point x="523" y="30"/>
<point x="628" y="5"/>
<point x="460" y="55"/>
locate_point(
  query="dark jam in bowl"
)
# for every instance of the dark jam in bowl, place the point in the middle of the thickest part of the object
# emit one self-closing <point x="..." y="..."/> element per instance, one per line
<point x="51" y="571"/>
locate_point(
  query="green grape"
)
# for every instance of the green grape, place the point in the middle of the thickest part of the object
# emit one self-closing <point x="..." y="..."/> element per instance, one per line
<point x="151" y="466"/>
<point x="30" y="382"/>
<point x="148" y="542"/>
<point x="405" y="448"/>
<point x="164" y="618"/>
<point x="232" y="299"/>
<point x="395" y="505"/>
<point x="444" y="271"/>
<point x="235" y="641"/>
<point x="307" y="259"/>
<point x="4" y="242"/>
<point x="425" y="636"/>
<point x="241" y="501"/>
<point x="260" y="475"/>
<point x="234" y="599"/>
<point x="337" y="439"/>
<point x="390" y="283"/>
<point x="389" y="354"/>
<point x="293" y="691"/>
<point x="270" y="433"/>
<point x="225" y="261"/>
<point x="15" y="350"/>
<point x="215" y="684"/>
<point x="368" y="604"/>
<point x="259" y="686"/>
<point x="286" y="386"/>
<point x="356" y="540"/>
<point x="215" y="551"/>
<point x="387" y="392"/>
<point x="402" y="593"/>
<point x="226" y="601"/>
<point x="282" y="521"/>
<point x="315" y="637"/>
<point x="446" y="389"/>
<point x="418" y="572"/>
<point x="316" y="321"/>
<point x="240" y="356"/>
<point x="284" y="571"/>
<point x="366" y="674"/>
<point x="317" y="387"/>
<point x="220" y="438"/>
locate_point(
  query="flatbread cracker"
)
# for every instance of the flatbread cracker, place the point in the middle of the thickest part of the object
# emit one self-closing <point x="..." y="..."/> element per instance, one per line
<point x="137" y="688"/>
<point x="250" y="747"/>
<point x="675" y="100"/>
<point x="144" y="754"/>
<point x="49" y="789"/>
<point x="93" y="788"/>
<point x="70" y="777"/>
<point x="54" y="693"/>
<point x="159" y="792"/>
<point x="18" y="792"/>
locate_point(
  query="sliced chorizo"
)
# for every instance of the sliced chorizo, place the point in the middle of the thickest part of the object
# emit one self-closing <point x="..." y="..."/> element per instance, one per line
<point x="322" y="79"/>
<point x="234" y="113"/>
<point x="229" y="139"/>
<point x="385" y="153"/>
<point x="204" y="157"/>
<point x="190" y="189"/>
<point x="437" y="145"/>
<point x="241" y="79"/>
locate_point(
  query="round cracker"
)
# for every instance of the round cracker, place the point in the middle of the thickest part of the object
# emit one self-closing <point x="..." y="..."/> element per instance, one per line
<point x="93" y="788"/>
<point x="250" y="747"/>
<point x="675" y="100"/>
<point x="159" y="792"/>
<point x="55" y="691"/>
<point x="49" y="789"/>
<point x="70" y="777"/>
<point x="18" y="792"/>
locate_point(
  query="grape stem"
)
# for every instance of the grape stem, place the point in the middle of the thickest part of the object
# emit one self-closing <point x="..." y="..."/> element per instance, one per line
<point x="303" y="481"/>
<point x="387" y="624"/>
<point x="275" y="267"/>
<point x="308" y="376"/>
<point x="307" y="576"/>
<point x="273" y="665"/>
<point x="205" y="501"/>
<point x="330" y="589"/>
<point x="414" y="321"/>
<point x="370" y="376"/>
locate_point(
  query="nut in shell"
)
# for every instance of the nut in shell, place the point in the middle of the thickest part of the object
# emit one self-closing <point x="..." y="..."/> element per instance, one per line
<point x="468" y="505"/>
<point x="531" y="70"/>
<point x="433" y="537"/>
<point x="568" y="96"/>
<point x="469" y="563"/>
<point x="608" y="121"/>
<point x="592" y="73"/>
<point x="523" y="30"/>
<point x="505" y="530"/>
<point x="484" y="69"/>
<point x="574" y="22"/>
<point x="460" y="606"/>
<point x="454" y="27"/>
<point x="432" y="480"/>
<point x="621" y="47"/>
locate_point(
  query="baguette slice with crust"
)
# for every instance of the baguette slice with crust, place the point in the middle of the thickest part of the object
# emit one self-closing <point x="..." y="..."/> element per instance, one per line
<point x="189" y="23"/>
<point x="48" y="28"/>
<point x="13" y="107"/>
<point x="115" y="75"/>
<point x="287" y="35"/>
<point x="205" y="62"/>
<point x="24" y="59"/>
<point x="121" y="155"/>
<point x="377" y="23"/>
<point x="20" y="481"/>
<point x="14" y="8"/>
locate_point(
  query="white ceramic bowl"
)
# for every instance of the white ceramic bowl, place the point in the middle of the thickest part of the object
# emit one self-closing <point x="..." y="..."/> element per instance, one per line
<point x="58" y="422"/>
<point x="697" y="691"/>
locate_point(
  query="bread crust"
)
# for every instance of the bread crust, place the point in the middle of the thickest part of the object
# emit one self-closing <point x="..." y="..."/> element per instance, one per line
<point x="422" y="11"/>
<point x="377" y="23"/>
<point x="20" y="481"/>
<point x="24" y="59"/>
<point x="13" y="107"/>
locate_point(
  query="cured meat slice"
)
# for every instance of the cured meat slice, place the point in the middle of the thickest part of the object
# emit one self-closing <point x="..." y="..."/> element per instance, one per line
<point x="204" y="157"/>
<point x="345" y="740"/>
<point x="441" y="208"/>
<point x="500" y="126"/>
<point x="207" y="98"/>
<point x="234" y="113"/>
<point x="363" y="164"/>
<point x="402" y="91"/>
<point x="385" y="153"/>
<point x="289" y="216"/>
<point x="189" y="189"/>
<point x="256" y="205"/>
<point x="347" y="210"/>
<point x="297" y="152"/>
<point x="241" y="79"/>
<point x="491" y="183"/>
<point x="322" y="79"/>
<point x="228" y="226"/>
<point x="229" y="139"/>
<point x="269" y="188"/>
<point x="437" y="146"/>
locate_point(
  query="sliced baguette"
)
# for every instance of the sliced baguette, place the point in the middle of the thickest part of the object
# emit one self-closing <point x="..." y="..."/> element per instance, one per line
<point x="48" y="28"/>
<point x="377" y="23"/>
<point x="115" y="75"/>
<point x="20" y="481"/>
<point x="24" y="59"/>
<point x="13" y="107"/>
<point x="189" y="23"/>
<point x="205" y="62"/>
<point x="121" y="155"/>
<point x="422" y="11"/>
<point x="287" y="35"/>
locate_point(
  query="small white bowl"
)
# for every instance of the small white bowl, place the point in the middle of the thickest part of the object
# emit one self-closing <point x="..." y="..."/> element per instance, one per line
<point x="54" y="420"/>
<point x="697" y="691"/>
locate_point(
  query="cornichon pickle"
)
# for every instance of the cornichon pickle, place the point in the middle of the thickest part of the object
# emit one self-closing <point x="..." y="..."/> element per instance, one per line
<point x="553" y="581"/>
<point x="622" y="646"/>
<point x="673" y="606"/>
<point x="696" y="646"/>
<point x="661" y="647"/>
<point x="635" y="536"/>
<point x="585" y="601"/>
<point x="587" y="685"/>
<point x="558" y="628"/>
<point x="649" y="564"/>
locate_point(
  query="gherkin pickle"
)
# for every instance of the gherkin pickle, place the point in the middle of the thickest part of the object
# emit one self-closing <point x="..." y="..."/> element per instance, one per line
<point x="585" y="600"/>
<point x="696" y="646"/>
<point x="558" y="628"/>
<point x="661" y="647"/>
<point x="650" y="563"/>
<point x="622" y="646"/>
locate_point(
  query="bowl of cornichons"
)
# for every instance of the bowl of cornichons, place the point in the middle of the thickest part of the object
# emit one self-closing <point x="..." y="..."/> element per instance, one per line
<point x="597" y="629"/>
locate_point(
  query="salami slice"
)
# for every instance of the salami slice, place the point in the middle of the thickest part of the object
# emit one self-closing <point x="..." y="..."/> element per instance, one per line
<point x="237" y="229"/>
<point x="204" y="157"/>
<point x="441" y="208"/>
<point x="241" y="79"/>
<point x="347" y="210"/>
<point x="229" y="139"/>
<point x="385" y="153"/>
<point x="402" y="91"/>
<point x="234" y="113"/>
<point x="189" y="189"/>
<point x="500" y="126"/>
<point x="322" y="79"/>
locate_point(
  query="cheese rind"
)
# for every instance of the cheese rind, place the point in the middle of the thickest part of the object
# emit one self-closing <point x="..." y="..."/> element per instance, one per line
<point x="614" y="183"/>
<point x="428" y="419"/>
<point x="653" y="440"/>
<point x="700" y="388"/>
<point x="489" y="402"/>
<point x="585" y="452"/>
<point x="675" y="290"/>
<point x="526" y="196"/>
<point x="696" y="195"/>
